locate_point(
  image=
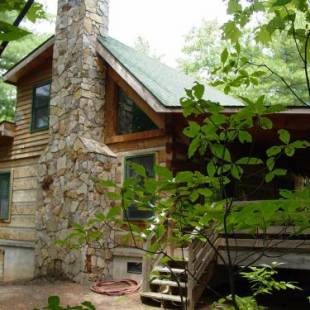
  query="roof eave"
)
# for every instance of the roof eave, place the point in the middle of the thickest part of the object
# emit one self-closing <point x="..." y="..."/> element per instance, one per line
<point x="133" y="82"/>
<point x="11" y="76"/>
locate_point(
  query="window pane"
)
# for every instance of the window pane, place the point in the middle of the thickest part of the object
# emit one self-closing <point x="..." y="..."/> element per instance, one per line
<point x="42" y="95"/>
<point x="4" y="195"/>
<point x="41" y="118"/>
<point x="41" y="101"/>
<point x="130" y="117"/>
<point x="147" y="161"/>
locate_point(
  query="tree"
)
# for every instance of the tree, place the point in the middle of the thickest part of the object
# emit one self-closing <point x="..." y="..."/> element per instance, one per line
<point x="143" y="46"/>
<point x="9" y="9"/>
<point x="201" y="50"/>
<point x="201" y="57"/>
<point x="14" y="52"/>
<point x="287" y="18"/>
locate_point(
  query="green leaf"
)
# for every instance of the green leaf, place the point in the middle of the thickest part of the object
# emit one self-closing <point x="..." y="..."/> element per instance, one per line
<point x="206" y="192"/>
<point x="236" y="172"/>
<point x="265" y="123"/>
<point x="193" y="147"/>
<point x="270" y="163"/>
<point x="163" y="172"/>
<point x="244" y="136"/>
<point x="284" y="136"/>
<point x="249" y="161"/>
<point x="273" y="151"/>
<point x="138" y="169"/>
<point x="224" y="56"/>
<point x="192" y="130"/>
<point x="113" y="195"/>
<point x="281" y="2"/>
<point x="231" y="32"/>
<point x="9" y="32"/>
<point x="113" y="212"/>
<point x="198" y="90"/>
<point x="263" y="35"/>
<point x="221" y="152"/>
<point x="54" y="302"/>
<point x="184" y="176"/>
<point x="279" y="172"/>
<point x="289" y="151"/>
<point x="211" y="169"/>
<point x="107" y="183"/>
<point x="233" y="7"/>
<point x="258" y="73"/>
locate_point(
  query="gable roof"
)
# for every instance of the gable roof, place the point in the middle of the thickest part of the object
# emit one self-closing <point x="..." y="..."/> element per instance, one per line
<point x="41" y="53"/>
<point x="166" y="84"/>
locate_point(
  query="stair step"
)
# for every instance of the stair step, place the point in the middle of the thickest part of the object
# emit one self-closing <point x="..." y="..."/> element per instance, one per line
<point x="169" y="270"/>
<point x="168" y="283"/>
<point x="160" y="296"/>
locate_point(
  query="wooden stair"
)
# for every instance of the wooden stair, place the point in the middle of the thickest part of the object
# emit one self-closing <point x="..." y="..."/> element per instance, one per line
<point x="169" y="287"/>
<point x="180" y="281"/>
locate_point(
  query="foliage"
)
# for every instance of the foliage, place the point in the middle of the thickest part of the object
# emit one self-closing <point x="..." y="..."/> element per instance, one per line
<point x="201" y="58"/>
<point x="244" y="303"/>
<point x="9" y="32"/>
<point x="54" y="304"/>
<point x="289" y="19"/>
<point x="143" y="46"/>
<point x="263" y="281"/>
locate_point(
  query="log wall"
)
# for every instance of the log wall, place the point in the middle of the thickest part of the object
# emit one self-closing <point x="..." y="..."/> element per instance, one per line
<point x="27" y="144"/>
<point x="24" y="197"/>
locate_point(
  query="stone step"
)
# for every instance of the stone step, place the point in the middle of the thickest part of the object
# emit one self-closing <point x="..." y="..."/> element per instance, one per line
<point x="168" y="283"/>
<point x="161" y="297"/>
<point x="169" y="270"/>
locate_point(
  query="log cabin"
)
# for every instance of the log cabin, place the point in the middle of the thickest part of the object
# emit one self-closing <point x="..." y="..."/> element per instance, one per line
<point x="88" y="105"/>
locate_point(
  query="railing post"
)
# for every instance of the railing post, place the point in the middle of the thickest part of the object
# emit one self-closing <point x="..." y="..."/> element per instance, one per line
<point x="146" y="267"/>
<point x="190" y="279"/>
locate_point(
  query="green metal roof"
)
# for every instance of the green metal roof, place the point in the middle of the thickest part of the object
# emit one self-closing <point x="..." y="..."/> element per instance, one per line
<point x="165" y="83"/>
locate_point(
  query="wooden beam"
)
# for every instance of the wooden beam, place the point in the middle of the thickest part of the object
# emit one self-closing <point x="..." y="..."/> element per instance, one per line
<point x="7" y="129"/>
<point x="38" y="55"/>
<point x="132" y="81"/>
<point x="157" y="118"/>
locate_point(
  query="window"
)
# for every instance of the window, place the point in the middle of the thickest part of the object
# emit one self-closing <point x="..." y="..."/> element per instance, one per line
<point x="40" y="107"/>
<point x="148" y="162"/>
<point x="134" y="267"/>
<point x="130" y="118"/>
<point x="5" y="180"/>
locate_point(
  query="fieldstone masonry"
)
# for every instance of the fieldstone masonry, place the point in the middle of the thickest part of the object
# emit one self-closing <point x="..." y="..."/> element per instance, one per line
<point x="75" y="157"/>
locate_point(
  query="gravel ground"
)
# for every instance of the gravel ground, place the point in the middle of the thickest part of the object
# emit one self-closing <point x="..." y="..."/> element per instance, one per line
<point x="34" y="294"/>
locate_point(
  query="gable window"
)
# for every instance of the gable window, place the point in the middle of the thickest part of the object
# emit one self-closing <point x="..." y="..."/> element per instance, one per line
<point x="40" y="107"/>
<point x="148" y="162"/>
<point x="5" y="180"/>
<point x="130" y="118"/>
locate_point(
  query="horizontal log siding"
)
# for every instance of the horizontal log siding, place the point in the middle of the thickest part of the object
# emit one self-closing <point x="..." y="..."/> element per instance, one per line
<point x="24" y="199"/>
<point x="25" y="143"/>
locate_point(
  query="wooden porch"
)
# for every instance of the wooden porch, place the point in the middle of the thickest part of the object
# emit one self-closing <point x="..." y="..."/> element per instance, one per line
<point x="184" y="279"/>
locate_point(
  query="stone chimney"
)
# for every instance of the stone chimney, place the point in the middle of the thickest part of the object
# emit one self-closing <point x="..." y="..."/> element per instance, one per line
<point x="75" y="157"/>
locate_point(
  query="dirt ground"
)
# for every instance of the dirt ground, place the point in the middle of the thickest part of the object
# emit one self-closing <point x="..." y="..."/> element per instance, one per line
<point x="34" y="294"/>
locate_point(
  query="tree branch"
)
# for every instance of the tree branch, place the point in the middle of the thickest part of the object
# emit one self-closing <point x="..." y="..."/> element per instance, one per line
<point x="282" y="79"/>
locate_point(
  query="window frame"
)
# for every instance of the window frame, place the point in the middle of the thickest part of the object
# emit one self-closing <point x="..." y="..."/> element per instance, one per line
<point x="125" y="176"/>
<point x="120" y="92"/>
<point x="10" y="173"/>
<point x="34" y="109"/>
<point x="113" y="81"/>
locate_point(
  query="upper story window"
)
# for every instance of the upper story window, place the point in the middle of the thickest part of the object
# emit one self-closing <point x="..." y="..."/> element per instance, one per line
<point x="148" y="162"/>
<point x="40" y="107"/>
<point x="5" y="186"/>
<point x="130" y="118"/>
